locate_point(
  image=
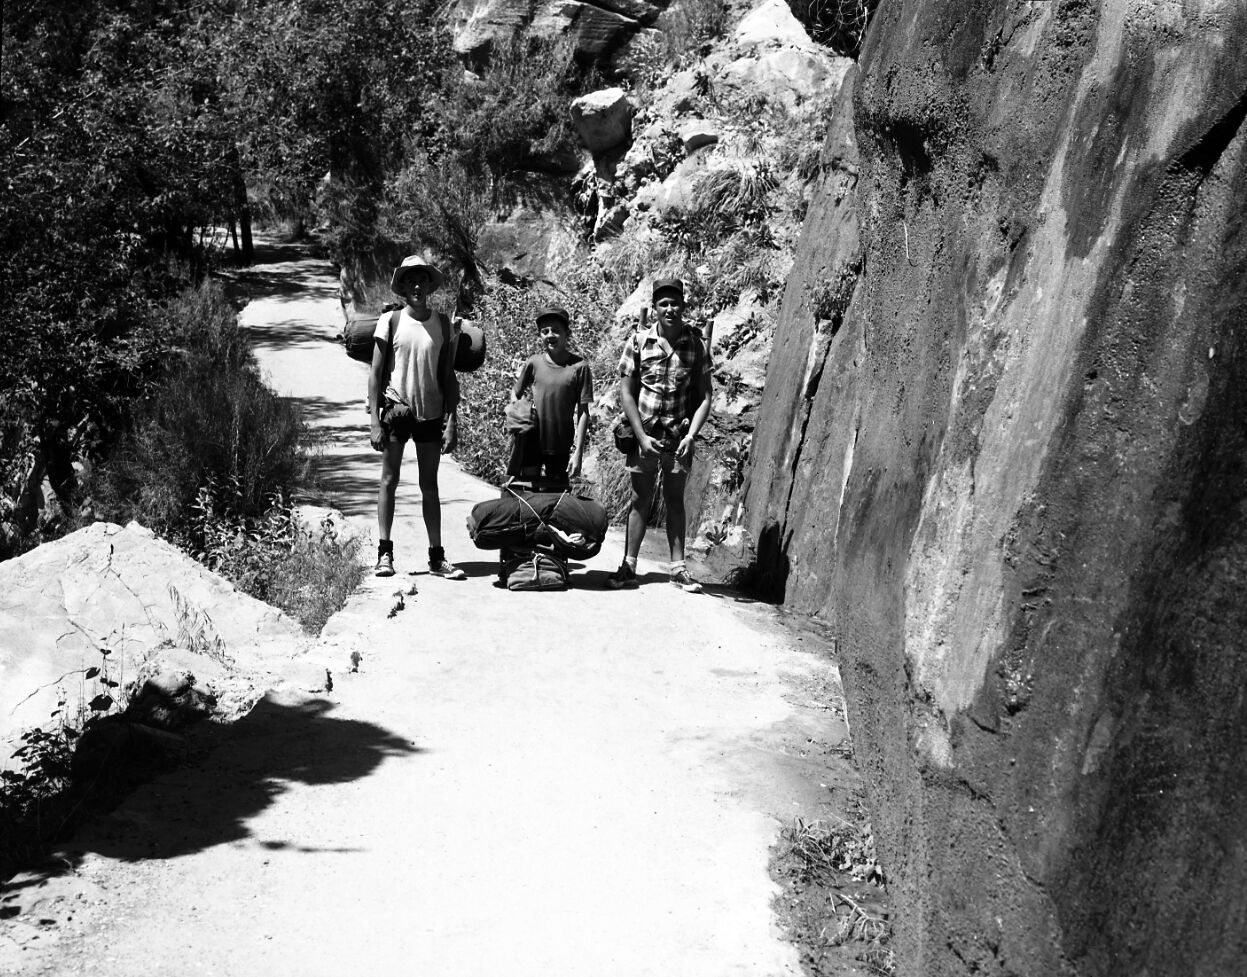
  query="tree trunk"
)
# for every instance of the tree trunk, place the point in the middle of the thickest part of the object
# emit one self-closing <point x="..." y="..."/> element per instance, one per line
<point x="241" y="208"/>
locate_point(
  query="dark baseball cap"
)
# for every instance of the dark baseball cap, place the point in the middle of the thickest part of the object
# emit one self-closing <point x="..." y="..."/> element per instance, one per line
<point x="553" y="312"/>
<point x="667" y="285"/>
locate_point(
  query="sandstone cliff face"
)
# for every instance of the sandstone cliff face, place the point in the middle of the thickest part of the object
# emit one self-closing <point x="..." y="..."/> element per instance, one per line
<point x="1009" y="462"/>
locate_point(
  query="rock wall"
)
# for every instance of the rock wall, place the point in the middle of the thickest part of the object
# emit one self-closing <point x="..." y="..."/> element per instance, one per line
<point x="1003" y="449"/>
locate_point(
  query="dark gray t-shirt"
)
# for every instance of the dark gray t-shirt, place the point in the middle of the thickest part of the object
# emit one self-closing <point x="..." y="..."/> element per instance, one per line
<point x="556" y="391"/>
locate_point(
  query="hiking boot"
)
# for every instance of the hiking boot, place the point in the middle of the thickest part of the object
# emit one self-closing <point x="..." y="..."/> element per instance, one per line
<point x="444" y="568"/>
<point x="625" y="576"/>
<point x="385" y="565"/>
<point x="686" y="583"/>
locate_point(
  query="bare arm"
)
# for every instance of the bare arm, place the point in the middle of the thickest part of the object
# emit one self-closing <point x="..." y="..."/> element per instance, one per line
<point x="578" y="445"/>
<point x="376" y="388"/>
<point x="685" y="446"/>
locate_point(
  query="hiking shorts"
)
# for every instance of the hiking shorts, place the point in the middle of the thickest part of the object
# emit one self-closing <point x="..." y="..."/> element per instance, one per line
<point x="399" y="425"/>
<point x="638" y="464"/>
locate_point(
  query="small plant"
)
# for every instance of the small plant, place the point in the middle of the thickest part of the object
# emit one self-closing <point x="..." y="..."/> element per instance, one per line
<point x="196" y="632"/>
<point x="38" y="793"/>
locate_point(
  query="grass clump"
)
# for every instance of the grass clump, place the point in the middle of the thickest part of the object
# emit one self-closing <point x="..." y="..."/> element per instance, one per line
<point x="306" y="572"/>
<point x="833" y="894"/>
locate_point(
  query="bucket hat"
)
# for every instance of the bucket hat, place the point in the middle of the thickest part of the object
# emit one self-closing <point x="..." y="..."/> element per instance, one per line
<point x="410" y="264"/>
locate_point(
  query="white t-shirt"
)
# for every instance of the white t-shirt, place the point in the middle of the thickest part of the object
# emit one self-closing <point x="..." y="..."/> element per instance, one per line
<point x="413" y="362"/>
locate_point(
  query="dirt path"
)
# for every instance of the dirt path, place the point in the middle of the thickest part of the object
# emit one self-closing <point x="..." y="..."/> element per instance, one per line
<point x="511" y="784"/>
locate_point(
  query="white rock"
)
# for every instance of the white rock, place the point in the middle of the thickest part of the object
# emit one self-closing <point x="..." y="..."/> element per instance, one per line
<point x="787" y="75"/>
<point x="677" y="190"/>
<point x="311" y="519"/>
<point x="129" y="592"/>
<point x="603" y="119"/>
<point x="772" y="24"/>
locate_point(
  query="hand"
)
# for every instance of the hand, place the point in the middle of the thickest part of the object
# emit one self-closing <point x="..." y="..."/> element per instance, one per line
<point x="684" y="450"/>
<point x="376" y="436"/>
<point x="450" y="436"/>
<point x="573" y="465"/>
<point x="646" y="446"/>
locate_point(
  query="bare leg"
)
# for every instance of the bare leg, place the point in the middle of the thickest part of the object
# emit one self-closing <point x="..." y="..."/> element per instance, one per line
<point x="428" y="458"/>
<point x="673" y="495"/>
<point x="638" y="518"/>
<point x="391" y="465"/>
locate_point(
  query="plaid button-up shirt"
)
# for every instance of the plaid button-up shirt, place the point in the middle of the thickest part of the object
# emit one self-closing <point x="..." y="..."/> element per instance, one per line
<point x="671" y="379"/>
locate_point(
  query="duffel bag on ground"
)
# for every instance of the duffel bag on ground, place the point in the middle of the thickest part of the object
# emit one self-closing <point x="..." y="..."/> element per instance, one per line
<point x="542" y="571"/>
<point x="508" y="521"/>
<point x="578" y="526"/>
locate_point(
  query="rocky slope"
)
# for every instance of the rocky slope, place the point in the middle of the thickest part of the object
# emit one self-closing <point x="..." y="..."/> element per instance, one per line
<point x="703" y="169"/>
<point x="1001" y="447"/>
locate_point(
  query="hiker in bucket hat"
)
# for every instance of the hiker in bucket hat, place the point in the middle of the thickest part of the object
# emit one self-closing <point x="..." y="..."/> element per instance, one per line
<point x="413" y="394"/>
<point x="665" y="391"/>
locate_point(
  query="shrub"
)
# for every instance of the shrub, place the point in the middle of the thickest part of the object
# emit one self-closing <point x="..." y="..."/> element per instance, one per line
<point x="210" y="420"/>
<point x="838" y="24"/>
<point x="307" y="573"/>
<point x="690" y="26"/>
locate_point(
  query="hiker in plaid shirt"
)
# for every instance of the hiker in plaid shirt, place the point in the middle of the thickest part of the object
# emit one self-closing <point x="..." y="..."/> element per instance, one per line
<point x="665" y="392"/>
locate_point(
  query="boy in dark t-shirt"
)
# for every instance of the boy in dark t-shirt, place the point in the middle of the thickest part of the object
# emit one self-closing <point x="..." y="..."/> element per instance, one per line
<point x="562" y="389"/>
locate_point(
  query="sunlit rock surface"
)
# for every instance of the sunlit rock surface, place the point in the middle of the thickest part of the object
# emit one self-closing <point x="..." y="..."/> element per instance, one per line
<point x="144" y="601"/>
<point x="1001" y="448"/>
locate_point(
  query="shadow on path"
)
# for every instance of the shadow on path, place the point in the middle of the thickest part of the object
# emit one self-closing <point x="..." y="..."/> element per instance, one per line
<point x="257" y="760"/>
<point x="280" y="334"/>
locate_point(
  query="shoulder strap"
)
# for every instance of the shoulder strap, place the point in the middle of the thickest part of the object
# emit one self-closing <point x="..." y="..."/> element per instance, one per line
<point x="444" y="352"/>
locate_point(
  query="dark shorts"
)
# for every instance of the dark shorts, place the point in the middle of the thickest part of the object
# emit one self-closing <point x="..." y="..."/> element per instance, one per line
<point x="400" y="425"/>
<point x="553" y="465"/>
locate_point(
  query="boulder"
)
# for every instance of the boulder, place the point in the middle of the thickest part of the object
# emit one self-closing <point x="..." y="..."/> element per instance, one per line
<point x="595" y="32"/>
<point x="477" y="24"/>
<point x="610" y="221"/>
<point x="528" y="244"/>
<point x="771" y="24"/>
<point x="598" y="30"/>
<point x="721" y="558"/>
<point x="318" y="520"/>
<point x="787" y="75"/>
<point x="698" y="133"/>
<point x="603" y="119"/>
<point x="677" y="190"/>
<point x="133" y="595"/>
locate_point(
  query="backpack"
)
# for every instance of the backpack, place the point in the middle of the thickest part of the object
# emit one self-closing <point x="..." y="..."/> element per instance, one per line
<point x="357" y="334"/>
<point x="541" y="571"/>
